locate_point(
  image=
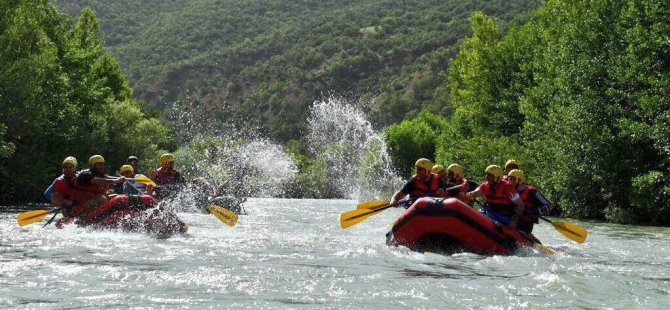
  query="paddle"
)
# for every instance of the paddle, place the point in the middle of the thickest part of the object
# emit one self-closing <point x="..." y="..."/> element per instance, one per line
<point x="372" y="204"/>
<point x="34" y="216"/>
<point x="353" y="217"/>
<point x="542" y="247"/>
<point x="572" y="231"/>
<point x="51" y="219"/>
<point x="143" y="179"/>
<point x="224" y="215"/>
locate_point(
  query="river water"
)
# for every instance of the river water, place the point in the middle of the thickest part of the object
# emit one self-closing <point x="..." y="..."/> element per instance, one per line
<point x="293" y="254"/>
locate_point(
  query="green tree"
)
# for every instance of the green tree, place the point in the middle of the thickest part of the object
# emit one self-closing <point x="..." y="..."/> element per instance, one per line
<point x="584" y="82"/>
<point x="413" y="139"/>
<point x="62" y="94"/>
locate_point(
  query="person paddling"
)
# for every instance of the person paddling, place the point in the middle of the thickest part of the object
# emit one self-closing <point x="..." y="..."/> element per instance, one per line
<point x="455" y="175"/>
<point x="444" y="182"/>
<point x="502" y="202"/>
<point x="134" y="162"/>
<point x="90" y="188"/>
<point x="534" y="203"/>
<point x="98" y="175"/>
<point x="61" y="195"/>
<point x="126" y="188"/>
<point x="423" y="183"/>
<point x="167" y="178"/>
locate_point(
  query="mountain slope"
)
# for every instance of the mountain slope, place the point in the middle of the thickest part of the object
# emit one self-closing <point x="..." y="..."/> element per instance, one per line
<point x="264" y="62"/>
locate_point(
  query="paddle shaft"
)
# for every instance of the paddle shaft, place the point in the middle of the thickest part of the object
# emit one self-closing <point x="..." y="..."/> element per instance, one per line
<point x="397" y="203"/>
<point x="544" y="218"/>
<point x="52" y="218"/>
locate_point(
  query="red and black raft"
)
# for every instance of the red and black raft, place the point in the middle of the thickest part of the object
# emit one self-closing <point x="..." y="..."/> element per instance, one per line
<point x="450" y="226"/>
<point x="142" y="214"/>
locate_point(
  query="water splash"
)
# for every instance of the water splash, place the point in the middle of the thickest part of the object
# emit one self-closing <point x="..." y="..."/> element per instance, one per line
<point x="350" y="159"/>
<point x="234" y="167"/>
<point x="355" y="157"/>
<point x="218" y="158"/>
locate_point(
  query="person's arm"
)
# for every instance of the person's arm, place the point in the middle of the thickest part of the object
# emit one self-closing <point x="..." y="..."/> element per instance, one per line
<point x="518" y="210"/>
<point x="542" y="204"/>
<point x="403" y="192"/>
<point x="108" y="180"/>
<point x="397" y="196"/>
<point x="58" y="195"/>
<point x="475" y="193"/>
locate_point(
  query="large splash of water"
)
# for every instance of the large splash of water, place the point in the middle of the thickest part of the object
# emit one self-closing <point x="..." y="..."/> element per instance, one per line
<point x="218" y="157"/>
<point x="357" y="162"/>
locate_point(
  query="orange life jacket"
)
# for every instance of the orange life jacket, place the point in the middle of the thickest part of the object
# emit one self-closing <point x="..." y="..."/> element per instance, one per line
<point x="499" y="198"/>
<point x="422" y="188"/>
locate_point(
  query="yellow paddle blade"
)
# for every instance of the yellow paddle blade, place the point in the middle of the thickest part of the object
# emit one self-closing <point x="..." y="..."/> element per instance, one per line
<point x="543" y="248"/>
<point x="351" y="218"/>
<point x="572" y="231"/>
<point x="144" y="180"/>
<point x="224" y="215"/>
<point x="372" y="204"/>
<point x="31" y="217"/>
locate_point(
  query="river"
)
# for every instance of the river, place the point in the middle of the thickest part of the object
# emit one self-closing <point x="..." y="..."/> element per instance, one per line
<point x="293" y="254"/>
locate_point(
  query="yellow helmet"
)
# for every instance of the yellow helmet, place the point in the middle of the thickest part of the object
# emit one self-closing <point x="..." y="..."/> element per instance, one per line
<point x="518" y="174"/>
<point x="437" y="169"/>
<point x="495" y="170"/>
<point x="125" y="168"/>
<point x="70" y="160"/>
<point x="456" y="169"/>
<point x="166" y="158"/>
<point x="424" y="163"/>
<point x="95" y="159"/>
<point x="511" y="162"/>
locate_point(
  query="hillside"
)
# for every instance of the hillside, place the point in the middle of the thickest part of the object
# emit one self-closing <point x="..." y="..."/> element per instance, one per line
<point x="264" y="62"/>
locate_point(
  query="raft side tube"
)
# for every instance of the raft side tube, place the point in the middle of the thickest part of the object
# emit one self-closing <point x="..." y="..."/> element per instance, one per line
<point x="449" y="226"/>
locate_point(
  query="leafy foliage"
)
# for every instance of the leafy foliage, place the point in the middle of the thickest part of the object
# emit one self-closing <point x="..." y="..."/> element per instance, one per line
<point x="414" y="138"/>
<point x="62" y="94"/>
<point x="579" y="95"/>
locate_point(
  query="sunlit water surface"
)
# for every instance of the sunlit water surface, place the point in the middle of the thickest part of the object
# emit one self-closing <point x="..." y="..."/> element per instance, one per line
<point x="293" y="254"/>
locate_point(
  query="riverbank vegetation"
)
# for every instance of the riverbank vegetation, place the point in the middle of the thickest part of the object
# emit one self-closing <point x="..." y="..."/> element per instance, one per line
<point x="578" y="95"/>
<point x="62" y="94"/>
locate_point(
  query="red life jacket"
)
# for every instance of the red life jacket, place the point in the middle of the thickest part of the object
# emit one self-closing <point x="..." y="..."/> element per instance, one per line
<point x="163" y="178"/>
<point x="421" y="188"/>
<point x="499" y="198"/>
<point x="81" y="194"/>
<point x="530" y="207"/>
<point x="64" y="186"/>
